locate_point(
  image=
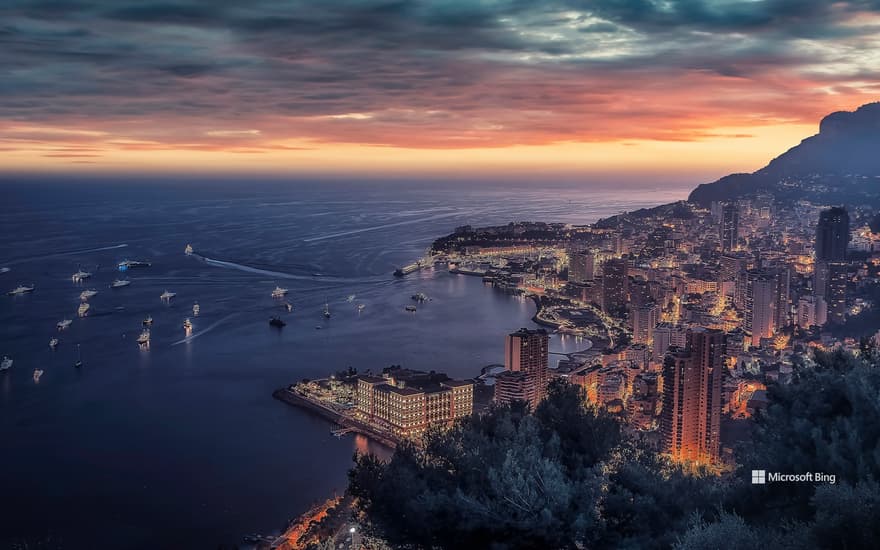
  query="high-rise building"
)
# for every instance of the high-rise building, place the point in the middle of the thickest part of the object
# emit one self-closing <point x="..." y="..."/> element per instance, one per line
<point x="690" y="421"/>
<point x="643" y="318"/>
<point x="729" y="230"/>
<point x="829" y="278"/>
<point x="614" y="286"/>
<point x="667" y="335"/>
<point x="582" y="266"/>
<point x="762" y="303"/>
<point x="832" y="235"/>
<point x="526" y="360"/>
<point x="732" y="269"/>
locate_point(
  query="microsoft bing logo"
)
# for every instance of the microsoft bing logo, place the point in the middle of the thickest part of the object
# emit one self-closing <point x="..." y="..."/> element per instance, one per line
<point x="759" y="477"/>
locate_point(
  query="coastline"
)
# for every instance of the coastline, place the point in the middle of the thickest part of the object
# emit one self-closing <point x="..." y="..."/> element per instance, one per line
<point x="300" y="401"/>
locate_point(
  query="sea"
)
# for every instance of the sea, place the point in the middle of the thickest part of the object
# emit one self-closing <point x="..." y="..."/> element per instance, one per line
<point x="182" y="445"/>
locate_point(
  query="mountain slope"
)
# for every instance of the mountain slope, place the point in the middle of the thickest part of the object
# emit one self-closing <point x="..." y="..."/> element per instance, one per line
<point x="840" y="164"/>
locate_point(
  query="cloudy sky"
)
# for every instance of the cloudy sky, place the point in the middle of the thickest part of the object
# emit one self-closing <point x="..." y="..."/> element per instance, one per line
<point x="669" y="88"/>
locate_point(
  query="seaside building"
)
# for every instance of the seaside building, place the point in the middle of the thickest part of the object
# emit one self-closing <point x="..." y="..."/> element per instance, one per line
<point x="690" y="421"/>
<point x="526" y="361"/>
<point x="407" y="402"/>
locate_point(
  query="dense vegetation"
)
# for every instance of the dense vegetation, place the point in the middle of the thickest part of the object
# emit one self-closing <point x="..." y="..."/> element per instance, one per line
<point x="566" y="477"/>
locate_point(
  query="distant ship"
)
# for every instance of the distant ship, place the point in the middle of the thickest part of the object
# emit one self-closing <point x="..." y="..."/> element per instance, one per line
<point x="86" y="294"/>
<point x="188" y="250"/>
<point x="124" y="265"/>
<point x="21" y="289"/>
<point x="361" y="307"/>
<point x="4" y="270"/>
<point x="277" y="322"/>
<point x="6" y="363"/>
<point x="279" y="292"/>
<point x="196" y="309"/>
<point x="420" y="297"/>
<point x="350" y="298"/>
<point x="119" y="283"/>
<point x="83" y="309"/>
<point x="63" y="324"/>
<point x="148" y="321"/>
<point x="288" y="306"/>
<point x="167" y="295"/>
<point x="37" y="374"/>
<point x="187" y="326"/>
<point x="411" y="309"/>
<point x="80" y="275"/>
<point x="327" y="311"/>
<point x="144" y="338"/>
<point x="53" y="343"/>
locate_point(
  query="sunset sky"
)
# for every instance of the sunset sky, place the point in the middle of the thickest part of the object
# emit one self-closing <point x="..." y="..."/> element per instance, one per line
<point x="666" y="88"/>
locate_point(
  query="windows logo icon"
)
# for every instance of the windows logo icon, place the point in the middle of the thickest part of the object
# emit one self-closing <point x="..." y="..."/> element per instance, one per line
<point x="759" y="477"/>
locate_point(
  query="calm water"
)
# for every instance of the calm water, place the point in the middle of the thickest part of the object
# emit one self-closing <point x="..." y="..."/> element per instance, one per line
<point x="184" y="442"/>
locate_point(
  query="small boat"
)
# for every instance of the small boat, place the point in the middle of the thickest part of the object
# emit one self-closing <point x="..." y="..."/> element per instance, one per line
<point x="6" y="363"/>
<point x="318" y="327"/>
<point x="350" y="298"/>
<point x="288" y="306"/>
<point x="279" y="292"/>
<point x="119" y="283"/>
<point x="37" y="374"/>
<point x="144" y="338"/>
<point x="167" y="295"/>
<point x="79" y="359"/>
<point x="411" y="309"/>
<point x="80" y="275"/>
<point x="53" y="343"/>
<point x="21" y="289"/>
<point x="361" y="307"/>
<point x="124" y="265"/>
<point x="420" y="297"/>
<point x="277" y="322"/>
<point x="148" y="321"/>
<point x="63" y="324"/>
<point x="83" y="309"/>
<point x="327" y="311"/>
<point x="188" y="250"/>
<point x="86" y="294"/>
<point x="187" y="326"/>
<point x="4" y="270"/>
<point x="196" y="309"/>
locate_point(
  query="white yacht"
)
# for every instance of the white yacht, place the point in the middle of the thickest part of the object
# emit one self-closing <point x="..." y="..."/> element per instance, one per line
<point x="188" y="250"/>
<point x="196" y="309"/>
<point x="144" y="338"/>
<point x="148" y="321"/>
<point x="350" y="298"/>
<point x="279" y="292"/>
<point x="119" y="283"/>
<point x="4" y="270"/>
<point x="21" y="289"/>
<point x="288" y="306"/>
<point x="80" y="275"/>
<point x="63" y="324"/>
<point x="86" y="294"/>
<point x="37" y="374"/>
<point x="83" y="309"/>
<point x="187" y="326"/>
<point x="6" y="363"/>
<point x="327" y="311"/>
<point x="361" y="307"/>
<point x="53" y="343"/>
<point x="168" y="295"/>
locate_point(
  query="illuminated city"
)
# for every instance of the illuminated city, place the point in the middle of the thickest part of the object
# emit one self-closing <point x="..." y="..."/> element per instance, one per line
<point x="440" y="275"/>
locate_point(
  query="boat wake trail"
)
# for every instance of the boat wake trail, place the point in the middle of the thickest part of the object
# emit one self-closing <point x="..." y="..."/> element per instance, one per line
<point x="195" y="335"/>
<point x="283" y="275"/>
<point x="376" y="227"/>
<point x="71" y="253"/>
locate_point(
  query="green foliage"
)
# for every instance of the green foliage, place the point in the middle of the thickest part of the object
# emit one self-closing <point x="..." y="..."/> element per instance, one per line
<point x="565" y="476"/>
